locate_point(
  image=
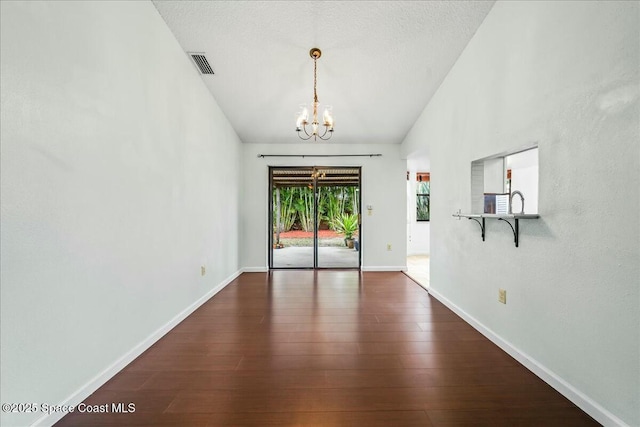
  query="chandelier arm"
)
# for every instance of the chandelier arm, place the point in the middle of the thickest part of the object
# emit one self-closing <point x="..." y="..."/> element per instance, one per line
<point x="304" y="139"/>
<point x="304" y="128"/>
<point x="329" y="130"/>
<point x="327" y="138"/>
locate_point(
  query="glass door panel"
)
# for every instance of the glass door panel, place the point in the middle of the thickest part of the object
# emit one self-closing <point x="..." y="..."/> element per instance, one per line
<point x="338" y="218"/>
<point x="292" y="207"/>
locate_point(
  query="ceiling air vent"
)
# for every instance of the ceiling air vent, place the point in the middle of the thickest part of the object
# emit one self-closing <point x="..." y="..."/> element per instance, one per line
<point x="201" y="62"/>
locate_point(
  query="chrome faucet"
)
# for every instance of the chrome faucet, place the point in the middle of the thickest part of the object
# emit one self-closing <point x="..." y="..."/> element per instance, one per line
<point x="511" y="201"/>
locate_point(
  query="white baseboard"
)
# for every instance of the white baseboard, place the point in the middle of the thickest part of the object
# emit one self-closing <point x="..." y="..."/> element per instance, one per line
<point x="385" y="268"/>
<point x="581" y="400"/>
<point x="100" y="379"/>
<point x="254" y="269"/>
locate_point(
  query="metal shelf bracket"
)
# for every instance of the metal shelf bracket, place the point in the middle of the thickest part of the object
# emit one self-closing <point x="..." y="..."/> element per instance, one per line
<point x="516" y="230"/>
<point x="500" y="217"/>
<point x="481" y="226"/>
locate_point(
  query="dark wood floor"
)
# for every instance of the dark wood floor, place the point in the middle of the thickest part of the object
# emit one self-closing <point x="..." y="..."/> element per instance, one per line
<point x="328" y="348"/>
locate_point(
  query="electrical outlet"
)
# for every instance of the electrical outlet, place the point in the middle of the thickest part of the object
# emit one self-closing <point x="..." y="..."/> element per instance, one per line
<point x="203" y="270"/>
<point x="388" y="246"/>
<point x="502" y="296"/>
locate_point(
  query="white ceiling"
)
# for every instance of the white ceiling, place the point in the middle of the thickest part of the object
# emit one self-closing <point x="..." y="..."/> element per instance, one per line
<point x="381" y="61"/>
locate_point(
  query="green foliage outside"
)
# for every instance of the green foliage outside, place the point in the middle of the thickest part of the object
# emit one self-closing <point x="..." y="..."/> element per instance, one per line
<point x="423" y="201"/>
<point x="347" y="224"/>
<point x="296" y="207"/>
<point x="303" y="204"/>
<point x="287" y="209"/>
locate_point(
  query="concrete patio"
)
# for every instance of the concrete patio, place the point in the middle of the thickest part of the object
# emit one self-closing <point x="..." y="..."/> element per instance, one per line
<point x="302" y="257"/>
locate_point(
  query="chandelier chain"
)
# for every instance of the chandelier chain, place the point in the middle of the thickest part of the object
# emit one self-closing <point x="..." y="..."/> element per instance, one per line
<point x="315" y="79"/>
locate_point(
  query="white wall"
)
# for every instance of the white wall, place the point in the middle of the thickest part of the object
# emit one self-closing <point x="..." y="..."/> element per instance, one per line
<point x="524" y="178"/>
<point x="383" y="187"/>
<point x="564" y="75"/>
<point x="115" y="160"/>
<point x="494" y="175"/>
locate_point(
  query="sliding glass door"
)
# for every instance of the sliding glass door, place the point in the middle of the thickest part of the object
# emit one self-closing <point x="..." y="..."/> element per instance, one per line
<point x="314" y="216"/>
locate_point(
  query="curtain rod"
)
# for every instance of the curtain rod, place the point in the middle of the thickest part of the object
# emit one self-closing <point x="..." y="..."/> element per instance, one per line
<point x="319" y="155"/>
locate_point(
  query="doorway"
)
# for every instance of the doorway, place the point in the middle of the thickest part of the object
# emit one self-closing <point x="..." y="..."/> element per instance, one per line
<point x="314" y="214"/>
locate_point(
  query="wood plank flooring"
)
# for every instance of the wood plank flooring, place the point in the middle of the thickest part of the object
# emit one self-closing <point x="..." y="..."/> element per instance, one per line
<point x="327" y="348"/>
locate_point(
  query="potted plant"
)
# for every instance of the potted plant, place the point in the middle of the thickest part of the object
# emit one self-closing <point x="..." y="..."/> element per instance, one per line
<point x="276" y="238"/>
<point x="347" y="224"/>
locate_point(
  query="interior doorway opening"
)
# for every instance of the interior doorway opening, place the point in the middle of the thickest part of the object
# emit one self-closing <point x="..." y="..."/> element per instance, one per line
<point x="418" y="218"/>
<point x="315" y="217"/>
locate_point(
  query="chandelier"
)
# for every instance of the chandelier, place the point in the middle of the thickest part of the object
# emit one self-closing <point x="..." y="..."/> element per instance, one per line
<point x="303" y="115"/>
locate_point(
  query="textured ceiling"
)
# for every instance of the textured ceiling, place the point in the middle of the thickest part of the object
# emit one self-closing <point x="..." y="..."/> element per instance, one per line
<point x="381" y="61"/>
